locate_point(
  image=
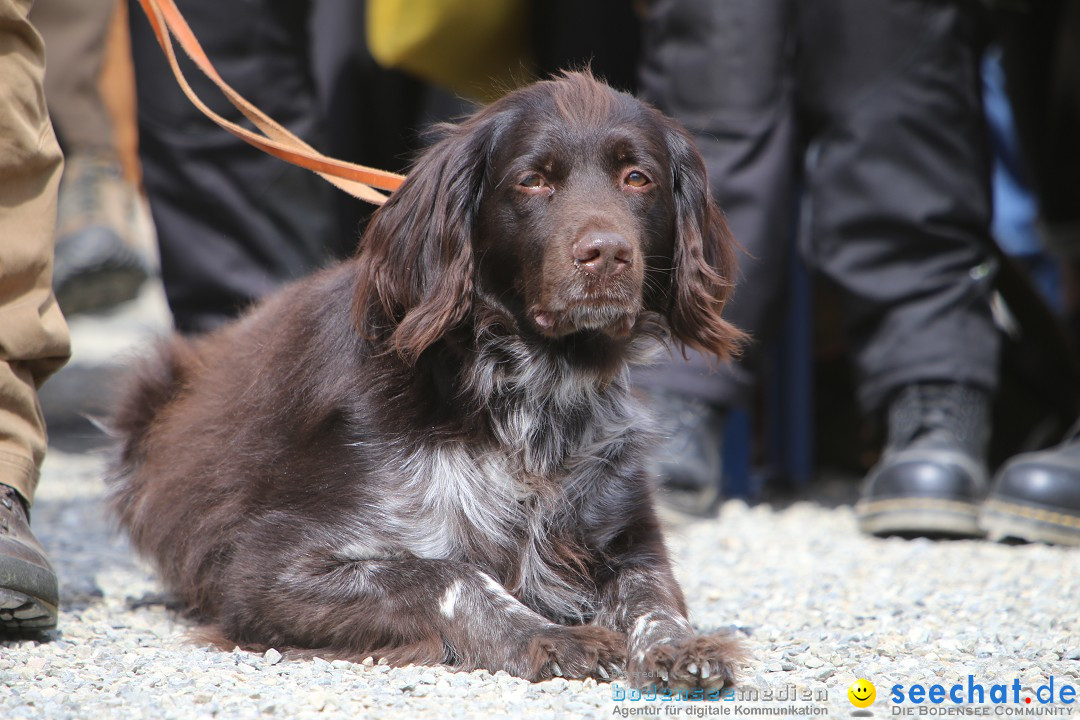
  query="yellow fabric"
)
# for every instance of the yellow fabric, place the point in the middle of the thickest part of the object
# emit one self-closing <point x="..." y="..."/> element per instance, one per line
<point x="477" y="48"/>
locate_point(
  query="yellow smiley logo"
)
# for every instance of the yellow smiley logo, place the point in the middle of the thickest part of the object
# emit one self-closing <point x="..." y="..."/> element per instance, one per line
<point x="861" y="693"/>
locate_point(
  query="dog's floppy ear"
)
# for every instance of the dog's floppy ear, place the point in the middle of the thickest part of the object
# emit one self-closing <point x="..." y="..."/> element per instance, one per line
<point x="704" y="260"/>
<point x="415" y="261"/>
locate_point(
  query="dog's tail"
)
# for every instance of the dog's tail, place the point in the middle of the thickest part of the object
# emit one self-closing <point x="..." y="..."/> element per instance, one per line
<point x="147" y="387"/>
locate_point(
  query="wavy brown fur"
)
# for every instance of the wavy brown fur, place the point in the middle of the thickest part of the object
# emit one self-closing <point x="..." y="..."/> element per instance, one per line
<point x="431" y="453"/>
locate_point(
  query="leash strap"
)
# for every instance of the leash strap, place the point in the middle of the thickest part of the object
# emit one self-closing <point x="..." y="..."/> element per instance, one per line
<point x="357" y="180"/>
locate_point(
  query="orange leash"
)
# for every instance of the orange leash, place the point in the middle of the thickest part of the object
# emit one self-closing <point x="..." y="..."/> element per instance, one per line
<point x="357" y="180"/>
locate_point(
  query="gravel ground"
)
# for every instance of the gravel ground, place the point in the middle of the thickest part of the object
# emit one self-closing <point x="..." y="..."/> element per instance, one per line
<point x="819" y="606"/>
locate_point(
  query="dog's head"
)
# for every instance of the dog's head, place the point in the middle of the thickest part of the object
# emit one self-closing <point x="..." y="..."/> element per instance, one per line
<point x="567" y="206"/>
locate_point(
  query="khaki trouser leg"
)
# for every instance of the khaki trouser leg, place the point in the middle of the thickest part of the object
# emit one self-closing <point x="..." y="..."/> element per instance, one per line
<point x="34" y="340"/>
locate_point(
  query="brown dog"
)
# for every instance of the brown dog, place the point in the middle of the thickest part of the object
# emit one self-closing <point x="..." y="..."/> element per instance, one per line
<point x="431" y="453"/>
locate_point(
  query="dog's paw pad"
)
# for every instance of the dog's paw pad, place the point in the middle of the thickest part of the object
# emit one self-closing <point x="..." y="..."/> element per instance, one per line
<point x="701" y="661"/>
<point x="578" y="652"/>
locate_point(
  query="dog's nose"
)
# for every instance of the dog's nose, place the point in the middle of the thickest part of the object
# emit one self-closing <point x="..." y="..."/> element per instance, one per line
<point x="603" y="253"/>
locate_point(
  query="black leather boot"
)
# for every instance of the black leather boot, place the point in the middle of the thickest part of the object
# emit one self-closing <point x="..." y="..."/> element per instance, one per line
<point x="932" y="477"/>
<point x="28" y="588"/>
<point x="690" y="461"/>
<point x="1036" y="496"/>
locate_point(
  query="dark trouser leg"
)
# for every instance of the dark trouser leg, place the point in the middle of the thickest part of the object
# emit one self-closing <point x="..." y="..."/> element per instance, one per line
<point x="232" y="222"/>
<point x="900" y="188"/>
<point x="724" y="70"/>
<point x="1041" y="59"/>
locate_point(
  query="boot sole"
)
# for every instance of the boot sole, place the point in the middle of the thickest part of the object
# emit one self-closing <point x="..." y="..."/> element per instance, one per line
<point x="919" y="516"/>
<point x="20" y="612"/>
<point x="100" y="289"/>
<point x="1004" y="520"/>
<point x="702" y="504"/>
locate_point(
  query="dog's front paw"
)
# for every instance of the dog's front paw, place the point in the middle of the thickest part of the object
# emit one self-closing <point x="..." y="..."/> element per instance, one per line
<point x="577" y="652"/>
<point x="698" y="661"/>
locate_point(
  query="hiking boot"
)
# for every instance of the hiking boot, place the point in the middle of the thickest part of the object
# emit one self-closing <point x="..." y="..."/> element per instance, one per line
<point x="29" y="595"/>
<point x="690" y="461"/>
<point x="1036" y="496"/>
<point x="932" y="477"/>
<point x="97" y="262"/>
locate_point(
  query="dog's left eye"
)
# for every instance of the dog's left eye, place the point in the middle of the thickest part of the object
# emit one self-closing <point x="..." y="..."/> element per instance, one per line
<point x="637" y="179"/>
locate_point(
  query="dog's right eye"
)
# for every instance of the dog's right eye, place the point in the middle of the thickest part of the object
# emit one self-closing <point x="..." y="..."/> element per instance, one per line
<point x="532" y="181"/>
